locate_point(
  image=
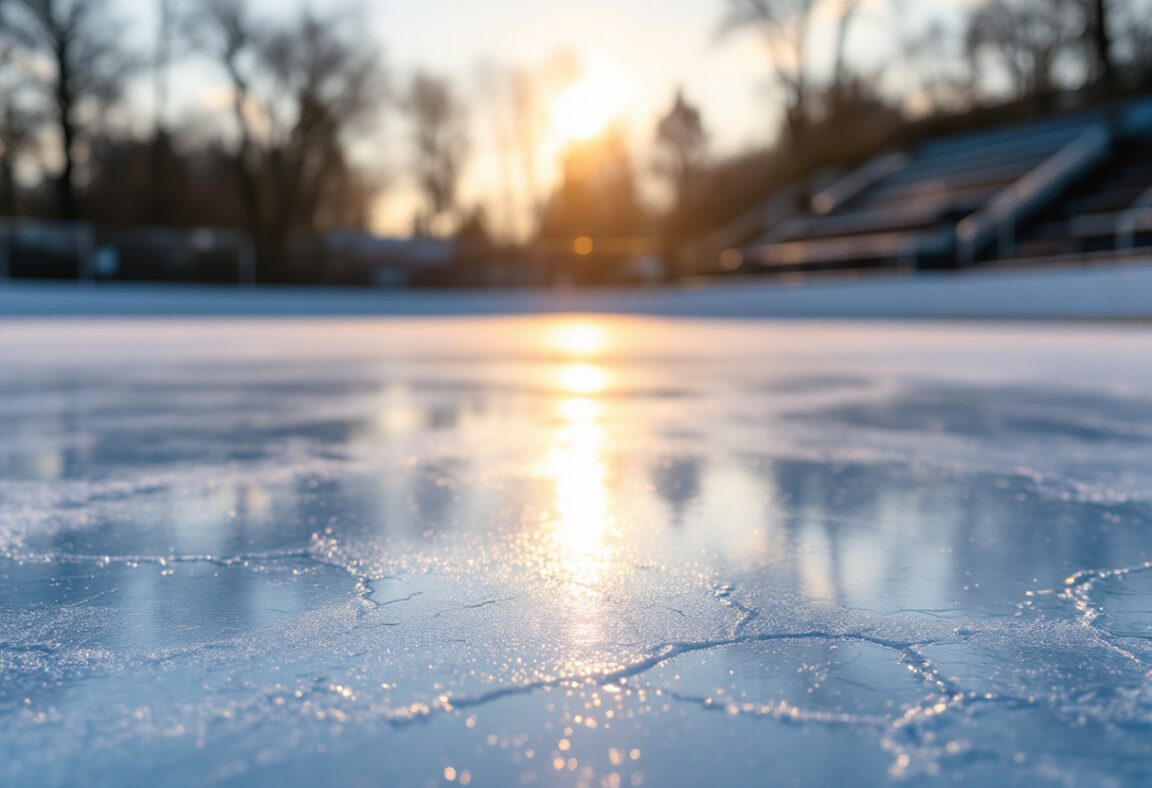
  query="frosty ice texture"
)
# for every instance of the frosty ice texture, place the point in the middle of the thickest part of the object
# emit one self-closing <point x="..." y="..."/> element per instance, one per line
<point x="480" y="551"/>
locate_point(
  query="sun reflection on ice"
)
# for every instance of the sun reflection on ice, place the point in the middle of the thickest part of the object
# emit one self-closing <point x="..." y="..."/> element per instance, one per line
<point x="580" y="339"/>
<point x="578" y="538"/>
<point x="575" y="462"/>
<point x="579" y="543"/>
<point x="583" y="378"/>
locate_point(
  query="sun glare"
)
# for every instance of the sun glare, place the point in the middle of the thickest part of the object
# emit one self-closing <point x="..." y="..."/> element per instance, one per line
<point x="580" y="339"/>
<point x="585" y="108"/>
<point x="583" y="378"/>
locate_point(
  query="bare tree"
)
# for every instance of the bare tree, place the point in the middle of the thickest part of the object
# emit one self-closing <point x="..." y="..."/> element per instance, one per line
<point x="1029" y="39"/>
<point x="1131" y="25"/>
<point x="942" y="74"/>
<point x="326" y="85"/>
<point x="1117" y="36"/>
<point x="163" y="51"/>
<point x="527" y="122"/>
<point x="783" y="26"/>
<point x="18" y="127"/>
<point x="1099" y="33"/>
<point x="438" y="121"/>
<point x="88" y="66"/>
<point x="300" y="93"/>
<point x="845" y="16"/>
<point x="11" y="127"/>
<point x="226" y="32"/>
<point x="22" y="113"/>
<point x="161" y="61"/>
<point x="493" y="82"/>
<point x="680" y="146"/>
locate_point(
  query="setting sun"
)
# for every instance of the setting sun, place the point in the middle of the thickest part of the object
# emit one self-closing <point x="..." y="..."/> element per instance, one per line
<point x="586" y="108"/>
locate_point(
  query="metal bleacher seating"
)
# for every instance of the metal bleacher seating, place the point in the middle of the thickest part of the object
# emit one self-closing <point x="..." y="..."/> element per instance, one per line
<point x="1083" y="179"/>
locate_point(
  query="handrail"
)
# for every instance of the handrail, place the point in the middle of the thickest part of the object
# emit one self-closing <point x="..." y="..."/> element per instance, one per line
<point x="755" y="221"/>
<point x="1018" y="160"/>
<point x="1137" y="215"/>
<point x="925" y="211"/>
<point x="857" y="181"/>
<point x="901" y="247"/>
<point x="1000" y="216"/>
<point x="1004" y="141"/>
<point x="979" y="172"/>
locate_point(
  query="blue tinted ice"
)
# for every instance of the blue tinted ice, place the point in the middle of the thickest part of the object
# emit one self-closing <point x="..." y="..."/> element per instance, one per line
<point x="558" y="551"/>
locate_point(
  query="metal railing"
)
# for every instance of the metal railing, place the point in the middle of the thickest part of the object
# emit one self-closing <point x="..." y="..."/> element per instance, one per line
<point x="755" y="222"/>
<point x="999" y="218"/>
<point x="857" y="181"/>
<point x="902" y="248"/>
<point x="1137" y="218"/>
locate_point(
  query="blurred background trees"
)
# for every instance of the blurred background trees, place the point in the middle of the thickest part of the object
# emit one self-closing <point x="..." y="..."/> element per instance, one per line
<point x="680" y="158"/>
<point x="294" y="143"/>
<point x="1030" y="41"/>
<point x="439" y="141"/>
<point x="85" y="69"/>
<point x="783" y="26"/>
<point x="301" y="90"/>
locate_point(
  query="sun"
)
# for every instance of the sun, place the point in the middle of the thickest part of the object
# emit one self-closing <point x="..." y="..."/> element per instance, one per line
<point x="585" y="108"/>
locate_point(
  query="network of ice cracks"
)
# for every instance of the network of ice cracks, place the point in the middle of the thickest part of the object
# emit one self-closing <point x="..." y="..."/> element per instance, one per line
<point x="211" y="586"/>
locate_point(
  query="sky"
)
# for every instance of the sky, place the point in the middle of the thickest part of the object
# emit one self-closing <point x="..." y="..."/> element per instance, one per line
<point x="646" y="49"/>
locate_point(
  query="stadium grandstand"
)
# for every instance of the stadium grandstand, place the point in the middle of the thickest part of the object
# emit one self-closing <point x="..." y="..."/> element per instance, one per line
<point x="1070" y="188"/>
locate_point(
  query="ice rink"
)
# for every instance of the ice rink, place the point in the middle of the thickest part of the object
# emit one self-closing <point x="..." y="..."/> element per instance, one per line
<point x="563" y="550"/>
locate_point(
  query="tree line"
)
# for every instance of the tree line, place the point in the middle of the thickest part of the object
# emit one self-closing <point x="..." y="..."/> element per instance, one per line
<point x="996" y="61"/>
<point x="298" y="94"/>
<point x="303" y="96"/>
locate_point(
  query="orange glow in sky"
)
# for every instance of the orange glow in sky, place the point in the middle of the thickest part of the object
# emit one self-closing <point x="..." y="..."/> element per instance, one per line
<point x="585" y="108"/>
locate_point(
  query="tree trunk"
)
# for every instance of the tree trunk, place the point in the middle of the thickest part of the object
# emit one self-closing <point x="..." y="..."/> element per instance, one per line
<point x="8" y="163"/>
<point x="1102" y="43"/>
<point x="848" y="10"/>
<point x="246" y="178"/>
<point x="7" y="186"/>
<point x="65" y="107"/>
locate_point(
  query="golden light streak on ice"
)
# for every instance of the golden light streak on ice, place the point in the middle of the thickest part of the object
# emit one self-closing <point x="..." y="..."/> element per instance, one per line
<point x="577" y="547"/>
<point x="583" y="378"/>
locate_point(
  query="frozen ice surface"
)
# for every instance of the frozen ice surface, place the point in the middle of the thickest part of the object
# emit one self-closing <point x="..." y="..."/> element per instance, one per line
<point x="574" y="550"/>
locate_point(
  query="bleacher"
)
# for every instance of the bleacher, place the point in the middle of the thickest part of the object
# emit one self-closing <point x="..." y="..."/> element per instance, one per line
<point x="1100" y="211"/>
<point x="1064" y="185"/>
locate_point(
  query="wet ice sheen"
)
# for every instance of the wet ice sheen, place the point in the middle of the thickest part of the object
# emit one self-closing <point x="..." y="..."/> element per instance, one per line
<point x="574" y="550"/>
